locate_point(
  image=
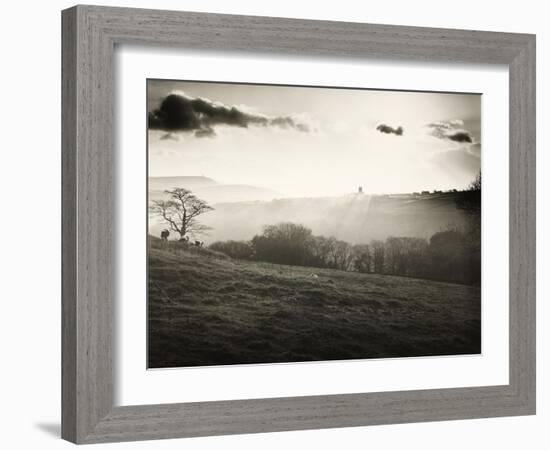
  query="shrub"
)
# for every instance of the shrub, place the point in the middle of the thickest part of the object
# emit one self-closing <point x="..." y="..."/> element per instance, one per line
<point x="234" y="249"/>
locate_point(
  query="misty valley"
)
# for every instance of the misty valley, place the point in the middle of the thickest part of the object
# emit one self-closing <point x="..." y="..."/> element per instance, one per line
<point x="266" y="279"/>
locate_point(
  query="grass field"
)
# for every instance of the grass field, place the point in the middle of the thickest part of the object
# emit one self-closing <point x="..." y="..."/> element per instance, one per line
<point x="207" y="309"/>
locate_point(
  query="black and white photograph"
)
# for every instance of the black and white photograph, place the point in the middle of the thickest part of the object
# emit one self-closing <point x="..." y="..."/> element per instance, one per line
<point x="267" y="225"/>
<point x="298" y="223"/>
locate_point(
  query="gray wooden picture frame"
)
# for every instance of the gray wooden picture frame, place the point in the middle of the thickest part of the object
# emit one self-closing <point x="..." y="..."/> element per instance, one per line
<point x="90" y="34"/>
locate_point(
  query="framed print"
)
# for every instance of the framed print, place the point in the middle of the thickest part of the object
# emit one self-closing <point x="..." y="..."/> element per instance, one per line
<point x="279" y="224"/>
<point x="271" y="265"/>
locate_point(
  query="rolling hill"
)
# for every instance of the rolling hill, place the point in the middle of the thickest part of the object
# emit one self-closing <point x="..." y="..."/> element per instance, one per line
<point x="210" y="190"/>
<point x="207" y="309"/>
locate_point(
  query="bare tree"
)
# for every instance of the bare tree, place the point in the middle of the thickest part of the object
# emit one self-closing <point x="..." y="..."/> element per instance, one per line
<point x="180" y="212"/>
<point x="342" y="255"/>
<point x="469" y="201"/>
<point x="378" y="254"/>
<point x="321" y="249"/>
<point x="476" y="184"/>
<point x="395" y="255"/>
<point x="363" y="258"/>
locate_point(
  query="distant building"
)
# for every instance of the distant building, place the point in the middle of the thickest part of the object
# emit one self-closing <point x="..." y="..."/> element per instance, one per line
<point x="425" y="192"/>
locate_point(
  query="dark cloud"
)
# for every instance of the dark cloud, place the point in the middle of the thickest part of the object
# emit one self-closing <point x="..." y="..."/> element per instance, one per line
<point x="178" y="112"/>
<point x="288" y="122"/>
<point x="383" y="128"/>
<point x="460" y="136"/>
<point x="452" y="130"/>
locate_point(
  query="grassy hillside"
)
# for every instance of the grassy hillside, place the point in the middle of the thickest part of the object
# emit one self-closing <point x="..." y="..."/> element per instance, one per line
<point x="207" y="309"/>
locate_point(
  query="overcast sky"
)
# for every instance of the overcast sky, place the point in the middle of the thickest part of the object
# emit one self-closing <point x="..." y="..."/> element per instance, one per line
<point x="304" y="141"/>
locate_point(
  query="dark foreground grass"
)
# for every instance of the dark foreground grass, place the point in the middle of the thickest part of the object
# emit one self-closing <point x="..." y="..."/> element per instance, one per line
<point x="206" y="309"/>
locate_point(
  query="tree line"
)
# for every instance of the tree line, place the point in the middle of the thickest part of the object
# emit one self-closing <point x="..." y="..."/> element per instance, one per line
<point x="448" y="255"/>
<point x="452" y="255"/>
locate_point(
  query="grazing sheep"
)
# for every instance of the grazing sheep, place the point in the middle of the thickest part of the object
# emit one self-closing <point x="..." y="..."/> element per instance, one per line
<point x="164" y="235"/>
<point x="314" y="275"/>
<point x="199" y="243"/>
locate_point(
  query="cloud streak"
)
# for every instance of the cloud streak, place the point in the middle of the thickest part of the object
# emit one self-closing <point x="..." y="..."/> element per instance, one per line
<point x="169" y="137"/>
<point x="452" y="130"/>
<point x="180" y="113"/>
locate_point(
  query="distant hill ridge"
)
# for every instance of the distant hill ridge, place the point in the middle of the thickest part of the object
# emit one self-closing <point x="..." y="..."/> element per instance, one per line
<point x="210" y="190"/>
<point x="191" y="182"/>
<point x="353" y="218"/>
